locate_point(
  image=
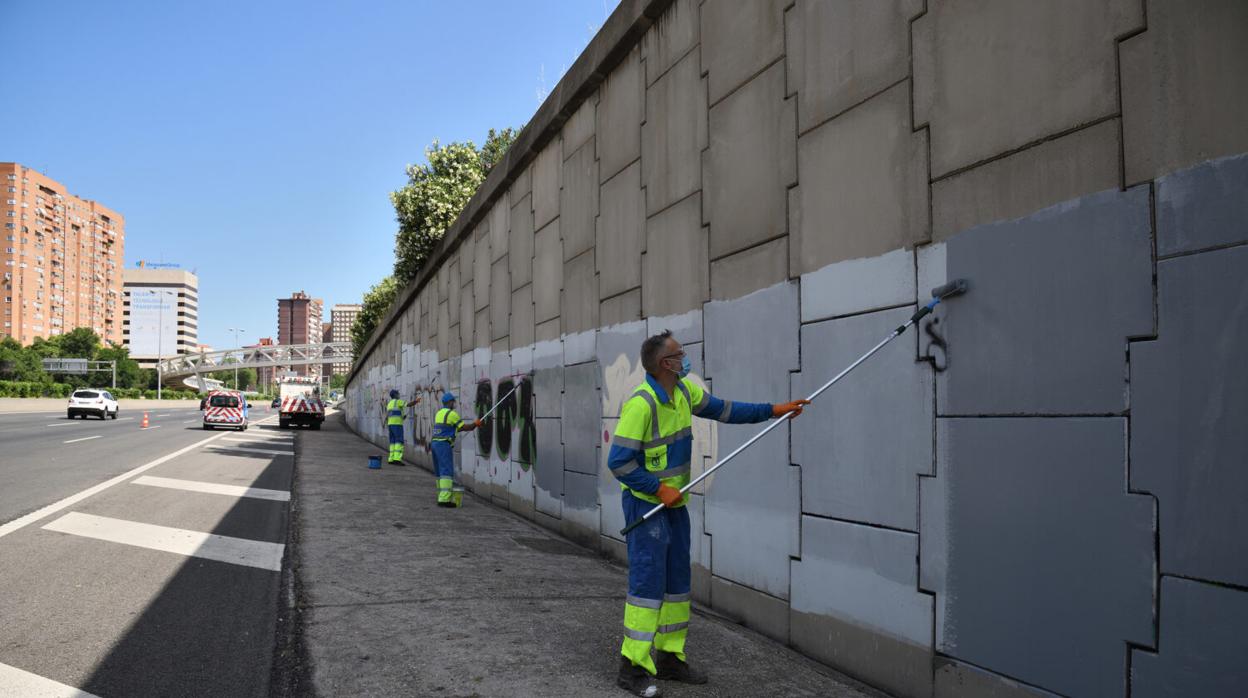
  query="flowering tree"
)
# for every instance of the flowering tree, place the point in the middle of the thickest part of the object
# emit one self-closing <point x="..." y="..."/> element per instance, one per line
<point x="435" y="194"/>
<point x="425" y="207"/>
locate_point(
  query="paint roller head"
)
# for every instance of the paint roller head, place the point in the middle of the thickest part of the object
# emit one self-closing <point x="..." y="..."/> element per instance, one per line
<point x="954" y="288"/>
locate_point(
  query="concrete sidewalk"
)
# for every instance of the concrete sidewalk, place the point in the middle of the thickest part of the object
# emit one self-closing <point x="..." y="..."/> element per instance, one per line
<point x="400" y="597"/>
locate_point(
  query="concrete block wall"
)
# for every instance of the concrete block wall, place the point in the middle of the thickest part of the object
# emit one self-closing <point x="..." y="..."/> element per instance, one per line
<point x="1039" y="490"/>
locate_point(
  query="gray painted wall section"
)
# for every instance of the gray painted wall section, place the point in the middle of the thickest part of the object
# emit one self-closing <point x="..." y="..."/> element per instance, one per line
<point x="1056" y="295"/>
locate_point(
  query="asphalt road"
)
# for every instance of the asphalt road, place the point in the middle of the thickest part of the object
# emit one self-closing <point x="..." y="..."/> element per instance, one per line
<point x="140" y="562"/>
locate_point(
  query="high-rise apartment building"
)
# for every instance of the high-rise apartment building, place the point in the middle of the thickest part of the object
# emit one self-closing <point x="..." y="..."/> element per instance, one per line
<point x="62" y="259"/>
<point x="342" y="316"/>
<point x="161" y="317"/>
<point x="299" y="322"/>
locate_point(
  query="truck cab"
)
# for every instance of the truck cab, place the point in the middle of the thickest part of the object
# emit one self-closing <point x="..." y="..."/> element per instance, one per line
<point x="300" y="403"/>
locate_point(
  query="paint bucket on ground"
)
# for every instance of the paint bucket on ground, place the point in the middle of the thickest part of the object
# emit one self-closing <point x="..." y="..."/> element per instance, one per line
<point x="374" y="462"/>
<point x="457" y="496"/>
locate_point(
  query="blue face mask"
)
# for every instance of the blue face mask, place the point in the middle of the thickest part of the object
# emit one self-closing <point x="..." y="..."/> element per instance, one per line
<point x="685" y="367"/>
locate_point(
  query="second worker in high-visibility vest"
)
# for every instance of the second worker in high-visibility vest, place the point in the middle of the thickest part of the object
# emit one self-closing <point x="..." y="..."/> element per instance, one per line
<point x="650" y="456"/>
<point x="394" y="426"/>
<point x="446" y="426"/>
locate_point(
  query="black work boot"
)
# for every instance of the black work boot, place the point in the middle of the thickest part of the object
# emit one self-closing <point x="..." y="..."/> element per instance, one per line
<point x="636" y="680"/>
<point x="670" y="668"/>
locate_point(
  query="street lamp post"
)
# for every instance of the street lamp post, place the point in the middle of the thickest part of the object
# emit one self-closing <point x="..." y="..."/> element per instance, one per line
<point x="160" y="336"/>
<point x="236" y="330"/>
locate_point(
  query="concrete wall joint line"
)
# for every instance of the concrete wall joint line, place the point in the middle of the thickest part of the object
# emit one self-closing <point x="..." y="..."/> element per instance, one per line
<point x="1212" y="582"/>
<point x="617" y="174"/>
<point x="621" y="293"/>
<point x="745" y="82"/>
<point x="1026" y="146"/>
<point x="1037" y="415"/>
<point x="696" y="192"/>
<point x="674" y="62"/>
<point x="1203" y="250"/>
<point x="857" y="522"/>
<point x="747" y="248"/>
<point x="857" y="104"/>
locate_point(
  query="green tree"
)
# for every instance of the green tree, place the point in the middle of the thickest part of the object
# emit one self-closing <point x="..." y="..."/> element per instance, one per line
<point x="80" y="343"/>
<point x="376" y="303"/>
<point x="129" y="375"/>
<point x="20" y="363"/>
<point x="338" y="381"/>
<point x="435" y="194"/>
<point x="246" y="376"/>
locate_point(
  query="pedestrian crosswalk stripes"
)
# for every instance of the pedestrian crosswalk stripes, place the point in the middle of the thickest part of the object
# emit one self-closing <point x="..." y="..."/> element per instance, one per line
<point x="210" y="546"/>
<point x="213" y="488"/>
<point x="18" y="682"/>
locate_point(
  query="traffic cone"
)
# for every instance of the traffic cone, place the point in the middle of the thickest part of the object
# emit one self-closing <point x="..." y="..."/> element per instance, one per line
<point x="144" y="424"/>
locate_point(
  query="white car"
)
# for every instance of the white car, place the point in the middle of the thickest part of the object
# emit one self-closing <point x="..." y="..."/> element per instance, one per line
<point x="94" y="402"/>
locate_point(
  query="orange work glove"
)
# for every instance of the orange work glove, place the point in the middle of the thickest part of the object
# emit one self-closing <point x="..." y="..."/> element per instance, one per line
<point x="786" y="408"/>
<point x="670" y="496"/>
<point x="476" y="423"/>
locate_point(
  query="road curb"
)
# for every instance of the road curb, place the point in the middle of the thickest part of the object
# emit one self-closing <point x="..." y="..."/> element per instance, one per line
<point x="291" y="675"/>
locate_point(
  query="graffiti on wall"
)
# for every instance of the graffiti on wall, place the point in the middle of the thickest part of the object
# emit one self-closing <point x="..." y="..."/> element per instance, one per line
<point x="510" y="430"/>
<point x="937" y="350"/>
<point x="428" y="399"/>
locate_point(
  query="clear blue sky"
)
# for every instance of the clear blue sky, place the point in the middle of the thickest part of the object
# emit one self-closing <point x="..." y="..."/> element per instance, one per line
<point x="256" y="142"/>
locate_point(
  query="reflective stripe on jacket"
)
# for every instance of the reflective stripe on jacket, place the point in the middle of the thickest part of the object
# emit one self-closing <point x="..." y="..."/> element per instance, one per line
<point x="653" y="441"/>
<point x="394" y="411"/>
<point x="446" y="424"/>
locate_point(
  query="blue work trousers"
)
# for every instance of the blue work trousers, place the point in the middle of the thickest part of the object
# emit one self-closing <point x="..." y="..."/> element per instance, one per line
<point x="396" y="442"/>
<point x="658" y="550"/>
<point x="443" y="459"/>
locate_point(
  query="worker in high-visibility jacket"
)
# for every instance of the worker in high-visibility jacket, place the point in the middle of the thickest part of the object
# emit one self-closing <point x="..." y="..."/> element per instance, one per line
<point x="394" y="425"/>
<point x="446" y="426"/>
<point x="650" y="456"/>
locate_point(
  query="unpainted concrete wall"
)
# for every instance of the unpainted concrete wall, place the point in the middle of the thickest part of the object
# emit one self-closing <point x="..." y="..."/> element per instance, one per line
<point x="1039" y="490"/>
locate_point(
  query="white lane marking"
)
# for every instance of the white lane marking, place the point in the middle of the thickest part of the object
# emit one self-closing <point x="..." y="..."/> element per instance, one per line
<point x="123" y="419"/>
<point x="213" y="488"/>
<point x="73" y="499"/>
<point x="241" y="449"/>
<point x="237" y="551"/>
<point x="161" y="415"/>
<point x="16" y="682"/>
<point x="151" y="428"/>
<point x="60" y="424"/>
<point x="259" y="439"/>
<point x="190" y="421"/>
<point x="85" y="438"/>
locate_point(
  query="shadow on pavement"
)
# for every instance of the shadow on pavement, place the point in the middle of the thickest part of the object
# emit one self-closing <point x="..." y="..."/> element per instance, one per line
<point x="210" y="631"/>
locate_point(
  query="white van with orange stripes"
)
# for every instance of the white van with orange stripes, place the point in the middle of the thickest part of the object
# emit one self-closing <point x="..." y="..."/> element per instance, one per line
<point x="225" y="408"/>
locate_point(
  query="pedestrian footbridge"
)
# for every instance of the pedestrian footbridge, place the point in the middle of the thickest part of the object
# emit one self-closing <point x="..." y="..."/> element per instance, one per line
<point x="274" y="356"/>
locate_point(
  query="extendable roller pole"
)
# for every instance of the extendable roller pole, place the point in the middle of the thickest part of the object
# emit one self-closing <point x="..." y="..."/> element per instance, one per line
<point x="500" y="400"/>
<point x="953" y="288"/>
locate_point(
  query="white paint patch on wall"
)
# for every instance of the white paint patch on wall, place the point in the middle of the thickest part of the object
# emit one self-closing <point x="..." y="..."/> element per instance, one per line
<point x="858" y="285"/>
<point x="873" y="574"/>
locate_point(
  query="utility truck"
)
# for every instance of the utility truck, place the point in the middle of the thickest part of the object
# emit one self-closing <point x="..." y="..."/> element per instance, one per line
<point x="301" y="402"/>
